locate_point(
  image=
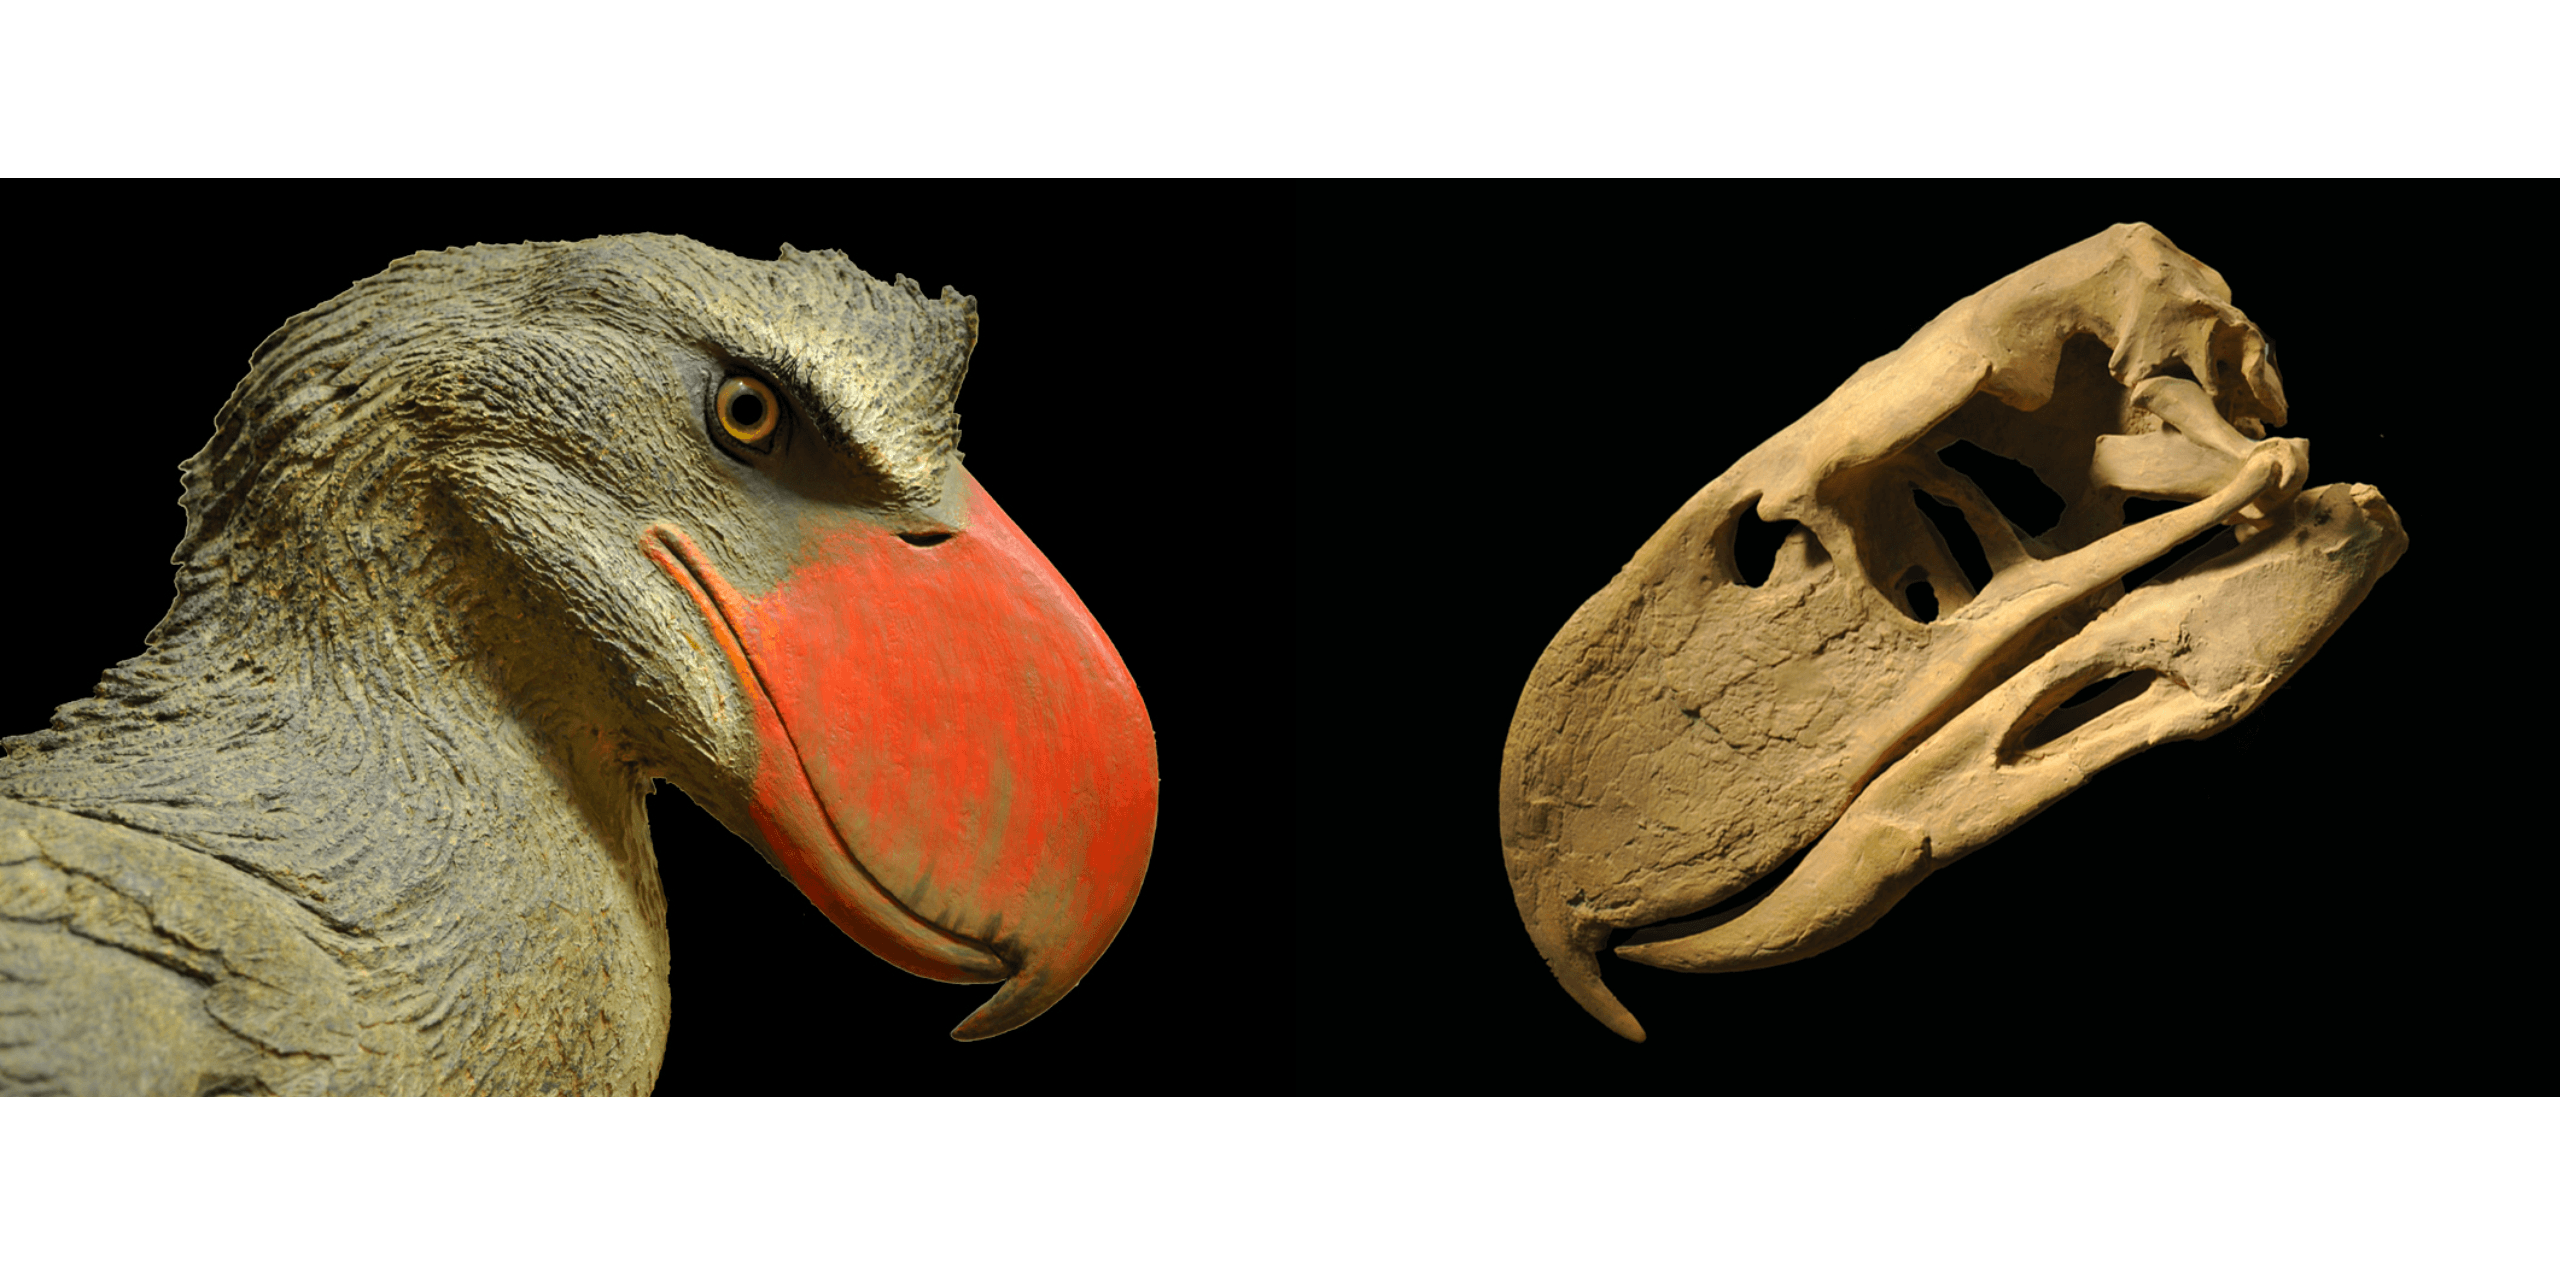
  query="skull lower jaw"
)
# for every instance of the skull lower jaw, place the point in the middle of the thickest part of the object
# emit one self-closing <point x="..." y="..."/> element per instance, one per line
<point x="1954" y="759"/>
<point x="2210" y="640"/>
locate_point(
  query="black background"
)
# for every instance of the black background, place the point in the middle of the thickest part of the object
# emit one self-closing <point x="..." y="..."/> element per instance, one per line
<point x="1499" y="392"/>
<point x="1125" y="404"/>
<point x="1503" y="390"/>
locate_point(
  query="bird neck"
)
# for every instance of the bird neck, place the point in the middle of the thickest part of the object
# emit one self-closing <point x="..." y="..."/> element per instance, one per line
<point x="478" y="861"/>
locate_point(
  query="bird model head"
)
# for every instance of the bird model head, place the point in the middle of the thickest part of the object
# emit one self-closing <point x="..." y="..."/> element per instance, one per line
<point x="692" y="517"/>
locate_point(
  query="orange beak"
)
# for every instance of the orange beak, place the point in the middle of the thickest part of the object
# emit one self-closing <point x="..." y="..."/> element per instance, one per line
<point x="955" y="765"/>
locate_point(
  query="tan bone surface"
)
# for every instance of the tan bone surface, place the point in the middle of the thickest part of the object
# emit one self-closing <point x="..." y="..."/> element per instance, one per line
<point x="1688" y="733"/>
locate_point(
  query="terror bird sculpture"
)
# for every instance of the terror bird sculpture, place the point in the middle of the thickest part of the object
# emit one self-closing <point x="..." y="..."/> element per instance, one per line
<point x="1869" y="705"/>
<point x="478" y="550"/>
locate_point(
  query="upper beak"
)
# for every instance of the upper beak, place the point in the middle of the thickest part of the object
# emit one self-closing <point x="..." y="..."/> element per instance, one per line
<point x="955" y="765"/>
<point x="1879" y="748"/>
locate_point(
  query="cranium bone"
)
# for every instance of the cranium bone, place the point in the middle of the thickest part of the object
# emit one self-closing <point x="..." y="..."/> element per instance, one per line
<point x="1687" y="733"/>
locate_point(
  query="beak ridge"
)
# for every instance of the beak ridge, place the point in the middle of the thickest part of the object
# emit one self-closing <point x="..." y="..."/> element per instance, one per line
<point x="955" y="765"/>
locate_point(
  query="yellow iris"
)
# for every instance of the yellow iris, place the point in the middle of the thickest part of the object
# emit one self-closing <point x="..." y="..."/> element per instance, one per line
<point x="748" y="410"/>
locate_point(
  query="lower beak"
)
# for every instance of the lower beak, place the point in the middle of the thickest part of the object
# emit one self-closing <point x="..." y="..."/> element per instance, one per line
<point x="955" y="765"/>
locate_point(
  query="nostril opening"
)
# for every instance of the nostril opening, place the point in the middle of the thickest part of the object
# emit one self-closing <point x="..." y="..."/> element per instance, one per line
<point x="922" y="539"/>
<point x="1755" y="546"/>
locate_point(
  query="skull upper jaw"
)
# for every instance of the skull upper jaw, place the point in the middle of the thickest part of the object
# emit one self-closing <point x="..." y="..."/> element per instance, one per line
<point x="2186" y="656"/>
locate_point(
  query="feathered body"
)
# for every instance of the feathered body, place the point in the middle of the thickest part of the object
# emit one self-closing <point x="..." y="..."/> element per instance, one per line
<point x="367" y="815"/>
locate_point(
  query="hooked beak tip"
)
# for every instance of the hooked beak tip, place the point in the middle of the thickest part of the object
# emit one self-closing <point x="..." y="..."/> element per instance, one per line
<point x="1024" y="996"/>
<point x="1577" y="970"/>
<point x="1613" y="1015"/>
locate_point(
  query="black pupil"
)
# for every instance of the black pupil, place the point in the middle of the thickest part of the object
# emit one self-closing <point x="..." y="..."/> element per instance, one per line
<point x="746" y="409"/>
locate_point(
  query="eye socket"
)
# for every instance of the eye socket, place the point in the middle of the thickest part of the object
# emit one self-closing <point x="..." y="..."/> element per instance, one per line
<point x="748" y="411"/>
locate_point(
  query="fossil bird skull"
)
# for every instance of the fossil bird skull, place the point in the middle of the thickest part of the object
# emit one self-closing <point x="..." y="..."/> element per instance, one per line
<point x="1689" y="732"/>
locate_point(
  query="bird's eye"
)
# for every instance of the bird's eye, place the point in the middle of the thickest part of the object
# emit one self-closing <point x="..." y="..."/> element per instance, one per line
<point x="748" y="411"/>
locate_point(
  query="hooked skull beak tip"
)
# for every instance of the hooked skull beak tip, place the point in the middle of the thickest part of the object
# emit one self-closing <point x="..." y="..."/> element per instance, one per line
<point x="1572" y="957"/>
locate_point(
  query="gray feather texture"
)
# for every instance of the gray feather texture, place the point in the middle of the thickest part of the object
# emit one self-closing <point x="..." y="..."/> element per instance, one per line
<point x="367" y="814"/>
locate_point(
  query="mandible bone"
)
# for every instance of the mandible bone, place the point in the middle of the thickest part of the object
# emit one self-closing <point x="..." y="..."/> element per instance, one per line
<point x="1690" y="732"/>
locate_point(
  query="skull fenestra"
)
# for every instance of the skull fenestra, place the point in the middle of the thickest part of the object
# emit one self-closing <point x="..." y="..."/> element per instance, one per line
<point x="1870" y="704"/>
